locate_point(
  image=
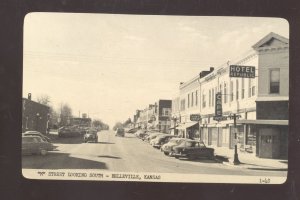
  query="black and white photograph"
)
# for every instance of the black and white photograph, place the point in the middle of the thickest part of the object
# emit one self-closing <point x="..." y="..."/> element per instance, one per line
<point x="155" y="98"/>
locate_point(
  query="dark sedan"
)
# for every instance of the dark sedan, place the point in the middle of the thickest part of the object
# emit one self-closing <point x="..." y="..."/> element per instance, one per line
<point x="193" y="149"/>
<point x="69" y="131"/>
<point x="35" y="145"/>
<point x="90" y="136"/>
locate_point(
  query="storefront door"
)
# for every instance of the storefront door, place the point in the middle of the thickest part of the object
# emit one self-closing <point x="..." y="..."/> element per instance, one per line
<point x="269" y="144"/>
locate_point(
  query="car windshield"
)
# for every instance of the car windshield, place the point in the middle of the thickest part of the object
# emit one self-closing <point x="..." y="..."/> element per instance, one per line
<point x="191" y="144"/>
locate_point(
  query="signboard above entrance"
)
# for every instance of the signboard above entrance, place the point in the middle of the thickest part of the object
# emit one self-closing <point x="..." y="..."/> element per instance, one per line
<point x="195" y="117"/>
<point x="240" y="71"/>
<point x="220" y="118"/>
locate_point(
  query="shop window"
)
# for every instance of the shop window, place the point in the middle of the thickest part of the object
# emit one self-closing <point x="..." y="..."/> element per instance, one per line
<point x="274" y="81"/>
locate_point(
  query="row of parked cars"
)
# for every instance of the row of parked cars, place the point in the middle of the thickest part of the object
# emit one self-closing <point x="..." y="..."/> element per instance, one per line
<point x="34" y="142"/>
<point x="172" y="145"/>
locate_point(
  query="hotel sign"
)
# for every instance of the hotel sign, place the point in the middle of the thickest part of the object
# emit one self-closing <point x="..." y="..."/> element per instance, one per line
<point x="240" y="71"/>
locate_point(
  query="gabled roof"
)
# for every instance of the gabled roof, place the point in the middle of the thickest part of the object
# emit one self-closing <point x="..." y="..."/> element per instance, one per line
<point x="272" y="39"/>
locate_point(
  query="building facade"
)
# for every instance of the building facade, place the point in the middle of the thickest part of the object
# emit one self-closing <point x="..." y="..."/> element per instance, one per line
<point x="35" y="116"/>
<point x="261" y="102"/>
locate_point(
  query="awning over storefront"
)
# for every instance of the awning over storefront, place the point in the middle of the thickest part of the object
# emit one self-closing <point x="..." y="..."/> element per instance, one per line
<point x="186" y="125"/>
<point x="173" y="127"/>
<point x="266" y="122"/>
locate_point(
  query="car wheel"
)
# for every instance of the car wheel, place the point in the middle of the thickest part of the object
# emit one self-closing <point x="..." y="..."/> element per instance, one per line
<point x="43" y="152"/>
<point x="177" y="157"/>
<point x="211" y="157"/>
<point x="166" y="153"/>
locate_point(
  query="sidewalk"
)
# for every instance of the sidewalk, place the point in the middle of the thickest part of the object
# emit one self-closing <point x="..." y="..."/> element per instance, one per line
<point x="248" y="160"/>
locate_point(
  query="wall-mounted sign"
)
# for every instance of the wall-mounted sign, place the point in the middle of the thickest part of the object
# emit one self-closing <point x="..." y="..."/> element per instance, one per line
<point x="218" y="108"/>
<point x="240" y="71"/>
<point x="220" y="118"/>
<point x="195" y="117"/>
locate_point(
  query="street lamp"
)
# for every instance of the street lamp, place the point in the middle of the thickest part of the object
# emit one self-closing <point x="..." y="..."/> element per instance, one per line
<point x="236" y="160"/>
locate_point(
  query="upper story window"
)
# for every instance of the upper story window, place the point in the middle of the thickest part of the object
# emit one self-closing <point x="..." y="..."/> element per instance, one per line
<point x="250" y="87"/>
<point x="188" y="101"/>
<point x="196" y="98"/>
<point x="166" y="112"/>
<point x="225" y="93"/>
<point x="243" y="89"/>
<point x="213" y="97"/>
<point x="237" y="90"/>
<point x="209" y="102"/>
<point x="192" y="99"/>
<point x="182" y="105"/>
<point x="231" y="91"/>
<point x="203" y="101"/>
<point x="274" y="81"/>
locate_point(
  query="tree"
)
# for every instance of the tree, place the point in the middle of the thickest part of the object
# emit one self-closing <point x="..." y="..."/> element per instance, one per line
<point x="43" y="99"/>
<point x="65" y="114"/>
<point x="127" y="122"/>
<point x="117" y="125"/>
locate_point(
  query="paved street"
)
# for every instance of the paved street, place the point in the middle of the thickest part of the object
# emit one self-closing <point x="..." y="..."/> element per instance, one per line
<point x="128" y="154"/>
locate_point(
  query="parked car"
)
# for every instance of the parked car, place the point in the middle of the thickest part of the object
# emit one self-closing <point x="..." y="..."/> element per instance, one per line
<point x="161" y="140"/>
<point x="69" y="131"/>
<point x="133" y="130"/>
<point x="90" y="136"/>
<point x="168" y="148"/>
<point x="36" y="133"/>
<point x="120" y="132"/>
<point x="35" y="145"/>
<point x="153" y="136"/>
<point x="140" y="133"/>
<point x="193" y="149"/>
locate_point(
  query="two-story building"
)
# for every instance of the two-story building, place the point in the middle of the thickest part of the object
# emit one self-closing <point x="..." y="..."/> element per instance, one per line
<point x="261" y="102"/>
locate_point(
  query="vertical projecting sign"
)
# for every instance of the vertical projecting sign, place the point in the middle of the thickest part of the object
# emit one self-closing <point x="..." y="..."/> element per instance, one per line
<point x="218" y="109"/>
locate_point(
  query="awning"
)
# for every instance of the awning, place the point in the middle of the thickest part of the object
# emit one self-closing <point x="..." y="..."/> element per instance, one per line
<point x="186" y="125"/>
<point x="262" y="121"/>
<point x="173" y="127"/>
<point x="274" y="98"/>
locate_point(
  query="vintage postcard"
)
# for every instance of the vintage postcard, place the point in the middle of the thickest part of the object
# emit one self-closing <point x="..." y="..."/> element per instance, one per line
<point x="155" y="98"/>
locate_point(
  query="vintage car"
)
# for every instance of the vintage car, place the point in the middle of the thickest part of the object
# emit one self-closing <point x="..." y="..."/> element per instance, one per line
<point x="161" y="140"/>
<point x="35" y="145"/>
<point x="140" y="133"/>
<point x="193" y="149"/>
<point x="120" y="132"/>
<point x="152" y="136"/>
<point x="69" y="131"/>
<point x="168" y="148"/>
<point x="90" y="136"/>
<point x="36" y="133"/>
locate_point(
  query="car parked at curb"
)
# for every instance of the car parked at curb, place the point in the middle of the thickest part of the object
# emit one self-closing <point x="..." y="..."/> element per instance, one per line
<point x="90" y="136"/>
<point x="168" y="148"/>
<point x="161" y="140"/>
<point x="35" y="145"/>
<point x="69" y="131"/>
<point x="36" y="133"/>
<point x="193" y="149"/>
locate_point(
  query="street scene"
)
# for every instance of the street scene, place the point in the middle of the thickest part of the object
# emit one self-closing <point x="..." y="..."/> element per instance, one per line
<point x="131" y="154"/>
<point x="186" y="96"/>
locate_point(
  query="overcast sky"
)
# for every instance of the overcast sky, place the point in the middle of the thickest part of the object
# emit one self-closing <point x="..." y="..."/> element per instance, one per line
<point x="110" y="65"/>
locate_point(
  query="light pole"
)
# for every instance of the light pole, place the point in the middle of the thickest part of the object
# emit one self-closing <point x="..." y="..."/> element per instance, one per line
<point x="236" y="160"/>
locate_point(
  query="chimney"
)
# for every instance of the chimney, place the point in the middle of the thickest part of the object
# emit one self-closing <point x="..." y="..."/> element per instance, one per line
<point x="29" y="96"/>
<point x="181" y="83"/>
<point x="211" y="69"/>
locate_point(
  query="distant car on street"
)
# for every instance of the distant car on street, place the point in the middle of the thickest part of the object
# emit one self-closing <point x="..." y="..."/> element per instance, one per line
<point x="69" y="131"/>
<point x="90" y="136"/>
<point x="168" y="148"/>
<point x="133" y="130"/>
<point x="193" y="149"/>
<point x="36" y="133"/>
<point x="120" y="132"/>
<point x="35" y="145"/>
